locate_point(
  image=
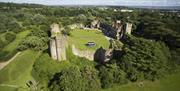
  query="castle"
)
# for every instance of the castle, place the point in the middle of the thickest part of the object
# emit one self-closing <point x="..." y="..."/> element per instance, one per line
<point x="58" y="42"/>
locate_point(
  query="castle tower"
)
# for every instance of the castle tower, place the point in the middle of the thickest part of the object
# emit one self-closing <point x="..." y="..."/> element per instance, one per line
<point x="118" y="27"/>
<point x="57" y="43"/>
<point x="128" y="28"/>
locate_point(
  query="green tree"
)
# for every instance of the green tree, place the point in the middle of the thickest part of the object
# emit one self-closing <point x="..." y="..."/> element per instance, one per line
<point x="68" y="80"/>
<point x="144" y="56"/>
<point x="91" y="79"/>
<point x="10" y="37"/>
<point x="110" y="74"/>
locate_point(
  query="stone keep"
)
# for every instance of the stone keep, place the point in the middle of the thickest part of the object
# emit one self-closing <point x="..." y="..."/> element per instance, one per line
<point x="128" y="28"/>
<point x="57" y="43"/>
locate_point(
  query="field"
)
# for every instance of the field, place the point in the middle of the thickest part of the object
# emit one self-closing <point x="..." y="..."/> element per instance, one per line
<point x="80" y="37"/>
<point x="170" y="83"/>
<point x="10" y="50"/>
<point x="18" y="72"/>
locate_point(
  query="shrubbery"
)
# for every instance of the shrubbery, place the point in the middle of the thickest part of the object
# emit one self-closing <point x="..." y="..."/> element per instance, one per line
<point x="10" y="37"/>
<point x="36" y="40"/>
<point x="111" y="74"/>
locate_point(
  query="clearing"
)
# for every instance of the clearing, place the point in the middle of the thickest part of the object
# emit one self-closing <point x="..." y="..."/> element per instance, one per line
<point x="79" y="37"/>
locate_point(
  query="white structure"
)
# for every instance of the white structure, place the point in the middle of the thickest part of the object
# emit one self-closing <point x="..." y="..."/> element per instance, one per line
<point x="126" y="10"/>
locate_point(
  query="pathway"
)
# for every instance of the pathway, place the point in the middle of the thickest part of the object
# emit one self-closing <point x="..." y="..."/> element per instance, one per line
<point x="4" y="64"/>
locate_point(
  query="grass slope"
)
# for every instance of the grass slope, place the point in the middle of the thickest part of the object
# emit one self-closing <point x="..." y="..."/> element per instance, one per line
<point x="170" y="83"/>
<point x="79" y="37"/>
<point x="18" y="72"/>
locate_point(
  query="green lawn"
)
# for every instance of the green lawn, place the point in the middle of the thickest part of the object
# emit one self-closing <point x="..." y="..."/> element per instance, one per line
<point x="5" y="88"/>
<point x="18" y="72"/>
<point x="80" y="37"/>
<point x="170" y="83"/>
<point x="10" y="50"/>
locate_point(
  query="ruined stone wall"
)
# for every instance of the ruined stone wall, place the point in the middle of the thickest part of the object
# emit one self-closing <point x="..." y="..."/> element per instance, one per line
<point x="61" y="42"/>
<point x="53" y="49"/>
<point x="87" y="54"/>
<point x="128" y="28"/>
<point x="58" y="43"/>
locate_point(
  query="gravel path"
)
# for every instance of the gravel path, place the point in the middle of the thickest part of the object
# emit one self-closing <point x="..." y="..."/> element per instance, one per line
<point x="4" y="64"/>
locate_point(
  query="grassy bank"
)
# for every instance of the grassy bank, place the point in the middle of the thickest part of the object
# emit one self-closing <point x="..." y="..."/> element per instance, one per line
<point x="18" y="72"/>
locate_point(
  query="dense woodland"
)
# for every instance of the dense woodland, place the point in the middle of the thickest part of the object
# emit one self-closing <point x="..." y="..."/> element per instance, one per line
<point x="150" y="53"/>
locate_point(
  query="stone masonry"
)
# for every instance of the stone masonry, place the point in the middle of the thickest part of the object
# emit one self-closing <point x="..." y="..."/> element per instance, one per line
<point x="58" y="43"/>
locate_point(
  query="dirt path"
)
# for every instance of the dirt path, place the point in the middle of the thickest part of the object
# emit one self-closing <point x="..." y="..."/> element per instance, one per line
<point x="4" y="64"/>
<point x="7" y="85"/>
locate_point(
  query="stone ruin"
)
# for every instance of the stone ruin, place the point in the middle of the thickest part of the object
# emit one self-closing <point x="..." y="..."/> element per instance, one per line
<point x="95" y="24"/>
<point x="121" y="30"/>
<point x="83" y="53"/>
<point x="58" y="43"/>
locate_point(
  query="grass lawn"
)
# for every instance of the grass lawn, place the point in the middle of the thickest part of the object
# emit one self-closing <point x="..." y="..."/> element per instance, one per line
<point x="79" y="37"/>
<point x="10" y="50"/>
<point x="4" y="88"/>
<point x="18" y="72"/>
<point x="170" y="83"/>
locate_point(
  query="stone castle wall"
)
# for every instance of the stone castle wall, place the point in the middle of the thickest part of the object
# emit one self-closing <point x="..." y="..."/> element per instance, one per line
<point x="58" y="43"/>
<point x="53" y="49"/>
<point x="87" y="54"/>
<point x="128" y="28"/>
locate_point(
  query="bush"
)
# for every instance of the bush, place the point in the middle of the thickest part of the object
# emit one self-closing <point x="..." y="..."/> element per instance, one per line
<point x="36" y="40"/>
<point x="10" y="37"/>
<point x="14" y="26"/>
<point x="68" y="80"/>
<point x="91" y="79"/>
<point x="5" y="56"/>
<point x="1" y="44"/>
<point x="66" y="31"/>
<point x="33" y="42"/>
<point x="110" y="74"/>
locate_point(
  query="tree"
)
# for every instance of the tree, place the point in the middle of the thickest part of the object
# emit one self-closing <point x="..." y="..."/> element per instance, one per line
<point x="91" y="79"/>
<point x="110" y="74"/>
<point x="10" y="36"/>
<point x="33" y="42"/>
<point x="66" y="31"/>
<point x="38" y="19"/>
<point x="144" y="56"/>
<point x="68" y="80"/>
<point x="14" y="26"/>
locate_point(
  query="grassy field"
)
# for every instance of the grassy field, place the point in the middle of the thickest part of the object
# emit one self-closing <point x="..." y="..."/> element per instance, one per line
<point x="170" y="83"/>
<point x="18" y="72"/>
<point x="80" y="37"/>
<point x="10" y="50"/>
